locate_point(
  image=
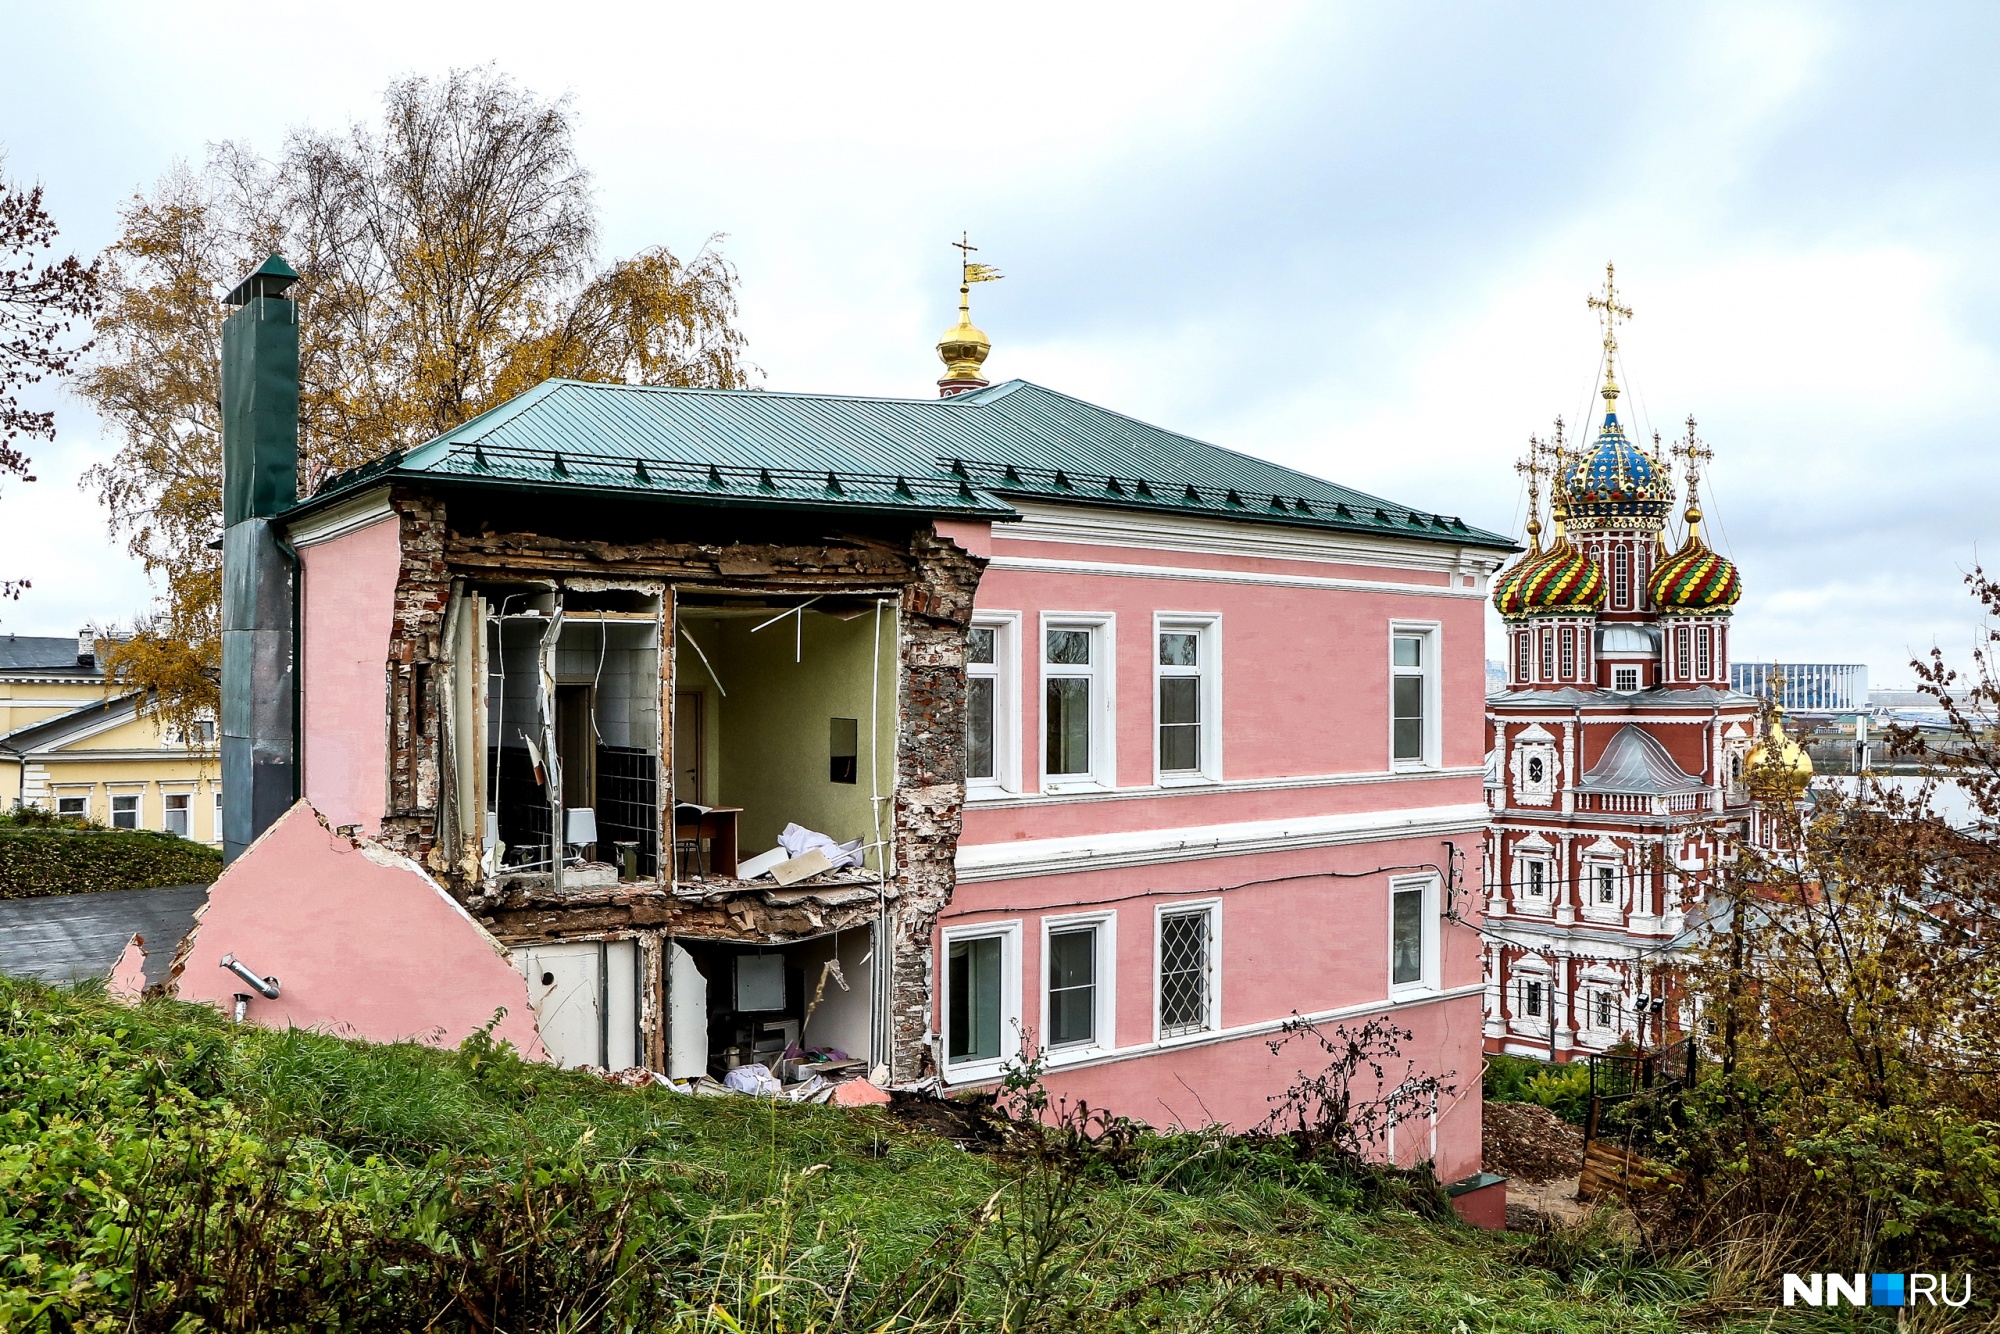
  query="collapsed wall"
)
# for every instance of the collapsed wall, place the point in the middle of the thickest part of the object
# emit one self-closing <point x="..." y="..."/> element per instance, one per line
<point x="449" y="548"/>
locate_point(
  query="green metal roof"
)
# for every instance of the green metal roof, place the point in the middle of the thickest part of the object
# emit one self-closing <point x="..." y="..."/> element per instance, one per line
<point x="954" y="457"/>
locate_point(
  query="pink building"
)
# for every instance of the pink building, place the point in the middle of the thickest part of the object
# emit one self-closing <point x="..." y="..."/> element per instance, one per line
<point x="1111" y="740"/>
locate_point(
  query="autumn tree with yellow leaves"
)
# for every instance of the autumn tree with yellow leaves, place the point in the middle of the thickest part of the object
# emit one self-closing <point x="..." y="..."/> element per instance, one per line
<point x="448" y="262"/>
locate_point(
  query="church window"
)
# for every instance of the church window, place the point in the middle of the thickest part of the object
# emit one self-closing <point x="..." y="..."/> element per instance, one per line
<point x="1536" y="768"/>
<point x="1521" y="656"/>
<point x="1681" y="653"/>
<point x="1568" y="654"/>
<point x="1702" y="652"/>
<point x="1548" y="654"/>
<point x="1607" y="886"/>
<point x="1531" y="999"/>
<point x="1621" y="576"/>
<point x="1604" y="1007"/>
<point x="1625" y="678"/>
<point x="1538" y="879"/>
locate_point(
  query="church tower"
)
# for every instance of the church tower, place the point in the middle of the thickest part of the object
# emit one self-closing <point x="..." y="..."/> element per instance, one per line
<point x="1617" y="774"/>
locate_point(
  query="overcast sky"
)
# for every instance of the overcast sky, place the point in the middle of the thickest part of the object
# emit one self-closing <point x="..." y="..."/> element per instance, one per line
<point x="1353" y="239"/>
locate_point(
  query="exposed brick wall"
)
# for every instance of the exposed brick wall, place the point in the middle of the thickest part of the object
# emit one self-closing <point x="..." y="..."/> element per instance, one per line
<point x="937" y="579"/>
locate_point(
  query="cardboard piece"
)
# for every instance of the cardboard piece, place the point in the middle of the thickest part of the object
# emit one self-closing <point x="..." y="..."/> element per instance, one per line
<point x="801" y="868"/>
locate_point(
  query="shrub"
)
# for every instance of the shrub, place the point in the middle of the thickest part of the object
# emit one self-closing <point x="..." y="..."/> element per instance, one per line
<point x="35" y="861"/>
<point x="1563" y="1089"/>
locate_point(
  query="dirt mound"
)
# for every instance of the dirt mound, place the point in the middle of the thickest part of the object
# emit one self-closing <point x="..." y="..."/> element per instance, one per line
<point x="1530" y="1143"/>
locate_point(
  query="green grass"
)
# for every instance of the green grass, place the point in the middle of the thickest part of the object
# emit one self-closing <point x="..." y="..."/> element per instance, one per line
<point x="158" y="1165"/>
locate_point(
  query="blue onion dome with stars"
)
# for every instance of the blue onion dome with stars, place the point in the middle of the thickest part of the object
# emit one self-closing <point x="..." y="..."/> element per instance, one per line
<point x="1615" y="483"/>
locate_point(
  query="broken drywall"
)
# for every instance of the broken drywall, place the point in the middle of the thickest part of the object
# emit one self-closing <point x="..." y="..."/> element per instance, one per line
<point x="361" y="942"/>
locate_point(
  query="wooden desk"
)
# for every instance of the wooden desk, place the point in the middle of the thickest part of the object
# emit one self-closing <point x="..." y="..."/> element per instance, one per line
<point x="716" y="827"/>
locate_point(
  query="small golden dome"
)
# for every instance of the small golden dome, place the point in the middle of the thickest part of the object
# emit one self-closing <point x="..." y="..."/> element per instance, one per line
<point x="1778" y="767"/>
<point x="963" y="348"/>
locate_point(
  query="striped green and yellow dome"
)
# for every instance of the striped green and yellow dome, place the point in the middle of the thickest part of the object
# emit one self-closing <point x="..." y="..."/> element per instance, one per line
<point x="1695" y="580"/>
<point x="1548" y="583"/>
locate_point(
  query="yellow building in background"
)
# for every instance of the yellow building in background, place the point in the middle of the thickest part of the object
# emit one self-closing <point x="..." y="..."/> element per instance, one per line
<point x="68" y="745"/>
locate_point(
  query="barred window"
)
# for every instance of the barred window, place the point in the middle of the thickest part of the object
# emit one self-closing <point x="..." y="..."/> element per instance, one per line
<point x="1187" y="967"/>
<point x="1531" y="1000"/>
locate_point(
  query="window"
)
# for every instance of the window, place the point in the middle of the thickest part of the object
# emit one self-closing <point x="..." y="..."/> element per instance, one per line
<point x="1702" y="652"/>
<point x="1187" y="681"/>
<point x="1521" y="656"/>
<point x="125" y="811"/>
<point x="1412" y="935"/>
<point x="1412" y="696"/>
<point x="1076" y="705"/>
<point x="992" y="704"/>
<point x="1625" y="679"/>
<point x="1604" y="1009"/>
<point x="1077" y="982"/>
<point x="1548" y="654"/>
<point x="1188" y="950"/>
<point x="1681" y="653"/>
<point x="982" y="987"/>
<point x="1568" y="654"/>
<point x="1538" y="879"/>
<point x="982" y="681"/>
<point x="218" y="814"/>
<point x="176" y="821"/>
<point x="1531" y="999"/>
<point x="1538" y="770"/>
<point x="73" y="808"/>
<point x="1607" y="886"/>
<point x="1621" y="576"/>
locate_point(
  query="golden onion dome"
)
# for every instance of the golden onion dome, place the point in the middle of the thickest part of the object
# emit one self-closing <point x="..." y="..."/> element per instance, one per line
<point x="1695" y="580"/>
<point x="963" y="348"/>
<point x="1778" y="767"/>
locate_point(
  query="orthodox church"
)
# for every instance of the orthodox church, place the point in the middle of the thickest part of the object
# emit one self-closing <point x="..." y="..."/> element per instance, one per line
<point x="1621" y="763"/>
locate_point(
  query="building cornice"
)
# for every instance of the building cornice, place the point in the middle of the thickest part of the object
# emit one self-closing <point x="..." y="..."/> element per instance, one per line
<point x="1148" y="531"/>
<point x="1015" y="801"/>
<point x="350" y="515"/>
<point x="1021" y="859"/>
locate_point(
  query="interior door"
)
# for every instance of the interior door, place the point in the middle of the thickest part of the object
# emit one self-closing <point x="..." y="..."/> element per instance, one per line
<point x="687" y="746"/>
<point x="585" y="995"/>
<point x="576" y="745"/>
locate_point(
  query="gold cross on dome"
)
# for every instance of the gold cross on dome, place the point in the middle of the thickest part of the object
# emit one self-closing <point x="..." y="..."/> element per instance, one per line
<point x="1610" y="310"/>
<point x="1693" y="452"/>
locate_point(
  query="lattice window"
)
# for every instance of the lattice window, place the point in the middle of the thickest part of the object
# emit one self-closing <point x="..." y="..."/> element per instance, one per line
<point x="1702" y="651"/>
<point x="1621" y="576"/>
<point x="1548" y="654"/>
<point x="1186" y="968"/>
<point x="1568" y="654"/>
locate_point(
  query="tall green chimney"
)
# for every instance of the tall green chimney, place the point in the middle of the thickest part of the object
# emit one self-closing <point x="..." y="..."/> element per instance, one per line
<point x="260" y="466"/>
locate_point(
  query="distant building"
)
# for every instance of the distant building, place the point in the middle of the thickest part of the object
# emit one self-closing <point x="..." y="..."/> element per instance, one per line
<point x="70" y="746"/>
<point x="1810" y="687"/>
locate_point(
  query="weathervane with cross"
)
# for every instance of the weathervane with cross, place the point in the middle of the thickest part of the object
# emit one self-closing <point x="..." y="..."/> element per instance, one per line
<point x="971" y="270"/>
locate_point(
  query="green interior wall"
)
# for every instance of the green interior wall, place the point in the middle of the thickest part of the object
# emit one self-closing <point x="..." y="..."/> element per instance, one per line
<point x="767" y="739"/>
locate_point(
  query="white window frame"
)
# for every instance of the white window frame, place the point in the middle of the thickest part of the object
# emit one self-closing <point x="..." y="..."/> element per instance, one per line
<point x="1009" y="935"/>
<point x="1524" y="972"/>
<point x="1006" y="676"/>
<point x="1431" y="633"/>
<point x="187" y="810"/>
<point x="138" y="808"/>
<point x="1618" y="678"/>
<point x="1188" y="907"/>
<point x="1429" y="972"/>
<point x="83" y="796"/>
<point x="1593" y="868"/>
<point x="1104" y="1017"/>
<point x="1103" y="674"/>
<point x="1207" y="629"/>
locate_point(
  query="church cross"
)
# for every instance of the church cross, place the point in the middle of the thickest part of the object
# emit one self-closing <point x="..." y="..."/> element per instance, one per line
<point x="1609" y="309"/>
